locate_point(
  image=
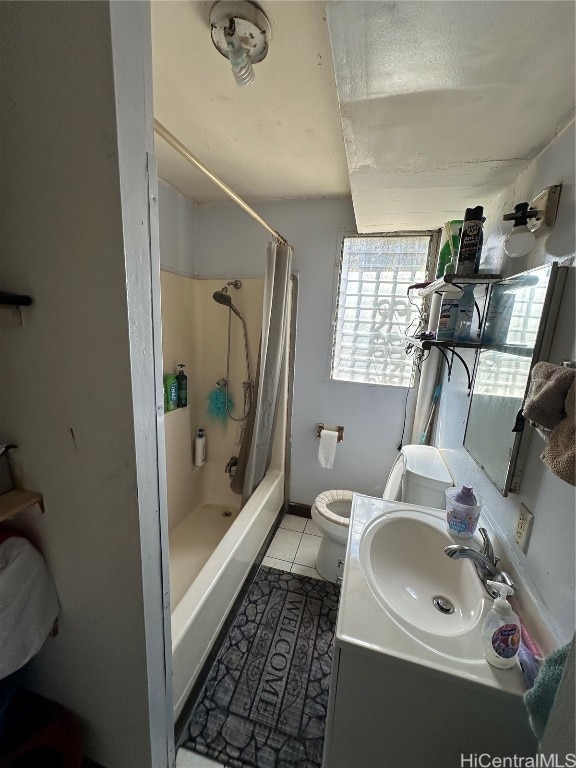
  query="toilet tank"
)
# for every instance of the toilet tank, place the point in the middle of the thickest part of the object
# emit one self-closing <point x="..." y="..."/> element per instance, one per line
<point x="425" y="476"/>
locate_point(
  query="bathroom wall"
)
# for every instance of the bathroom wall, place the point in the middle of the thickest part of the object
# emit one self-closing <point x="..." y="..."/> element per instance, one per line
<point x="195" y="332"/>
<point x="178" y="347"/>
<point x="549" y="563"/>
<point x="231" y="244"/>
<point x="178" y="231"/>
<point x="76" y="130"/>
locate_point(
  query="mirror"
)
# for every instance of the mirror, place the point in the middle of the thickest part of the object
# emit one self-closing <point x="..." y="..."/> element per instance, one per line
<point x="519" y="324"/>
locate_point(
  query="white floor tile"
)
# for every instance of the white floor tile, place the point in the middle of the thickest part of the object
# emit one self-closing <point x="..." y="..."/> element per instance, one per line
<point x="307" y="551"/>
<point x="274" y="562"/>
<point x="304" y="570"/>
<point x="187" y="759"/>
<point x="312" y="529"/>
<point x="293" y="523"/>
<point x="284" y="544"/>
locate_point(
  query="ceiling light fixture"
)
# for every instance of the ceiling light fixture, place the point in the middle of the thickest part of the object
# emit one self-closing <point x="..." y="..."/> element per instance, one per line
<point x="241" y="32"/>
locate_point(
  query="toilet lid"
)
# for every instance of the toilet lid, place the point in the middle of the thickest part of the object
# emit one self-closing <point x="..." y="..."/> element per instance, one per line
<point x="393" y="489"/>
<point x="326" y="498"/>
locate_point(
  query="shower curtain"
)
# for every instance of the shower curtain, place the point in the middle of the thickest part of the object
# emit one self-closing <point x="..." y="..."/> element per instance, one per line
<point x="256" y="445"/>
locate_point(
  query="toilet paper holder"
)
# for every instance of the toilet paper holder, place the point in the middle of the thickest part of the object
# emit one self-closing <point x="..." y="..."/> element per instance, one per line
<point x="340" y="430"/>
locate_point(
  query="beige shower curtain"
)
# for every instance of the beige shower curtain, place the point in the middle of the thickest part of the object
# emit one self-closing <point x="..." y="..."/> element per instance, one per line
<point x="256" y="446"/>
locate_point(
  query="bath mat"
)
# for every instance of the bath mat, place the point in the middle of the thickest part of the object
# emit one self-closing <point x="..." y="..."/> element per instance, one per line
<point x="265" y="701"/>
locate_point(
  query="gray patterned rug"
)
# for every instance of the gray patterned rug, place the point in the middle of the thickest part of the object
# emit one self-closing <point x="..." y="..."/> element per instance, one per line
<point x="265" y="701"/>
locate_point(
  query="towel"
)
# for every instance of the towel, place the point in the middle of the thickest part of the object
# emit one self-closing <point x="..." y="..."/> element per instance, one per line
<point x="540" y="698"/>
<point x="549" y="385"/>
<point x="559" y="455"/>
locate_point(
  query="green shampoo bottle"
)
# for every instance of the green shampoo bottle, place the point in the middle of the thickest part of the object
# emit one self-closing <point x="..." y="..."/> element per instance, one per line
<point x="170" y="392"/>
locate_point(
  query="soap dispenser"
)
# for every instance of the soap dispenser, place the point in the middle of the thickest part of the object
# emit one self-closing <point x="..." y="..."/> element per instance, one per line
<point x="501" y="629"/>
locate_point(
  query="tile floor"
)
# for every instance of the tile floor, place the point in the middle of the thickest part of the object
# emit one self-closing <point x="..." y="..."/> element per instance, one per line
<point x="293" y="548"/>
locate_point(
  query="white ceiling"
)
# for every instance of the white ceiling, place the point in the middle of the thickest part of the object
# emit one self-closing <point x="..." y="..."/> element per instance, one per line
<point x="277" y="138"/>
<point x="442" y="104"/>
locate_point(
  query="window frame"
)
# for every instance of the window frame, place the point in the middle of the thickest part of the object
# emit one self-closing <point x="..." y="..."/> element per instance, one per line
<point x="430" y="270"/>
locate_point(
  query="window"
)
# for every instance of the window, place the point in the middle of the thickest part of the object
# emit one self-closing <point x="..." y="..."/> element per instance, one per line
<point x="373" y="310"/>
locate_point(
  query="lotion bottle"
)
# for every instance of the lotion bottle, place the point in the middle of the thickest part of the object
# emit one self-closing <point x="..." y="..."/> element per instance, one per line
<point x="501" y="630"/>
<point x="200" y="449"/>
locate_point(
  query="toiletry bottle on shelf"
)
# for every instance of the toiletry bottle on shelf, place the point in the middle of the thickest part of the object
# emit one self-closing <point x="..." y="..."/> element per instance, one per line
<point x="465" y="314"/>
<point x="170" y="392"/>
<point x="498" y="317"/>
<point x="443" y="259"/>
<point x="479" y="251"/>
<point x="447" y="320"/>
<point x="501" y="630"/>
<point x="469" y="241"/>
<point x="450" y="268"/>
<point x="182" y="380"/>
<point x="434" y="314"/>
<point x="449" y="250"/>
<point x="200" y="449"/>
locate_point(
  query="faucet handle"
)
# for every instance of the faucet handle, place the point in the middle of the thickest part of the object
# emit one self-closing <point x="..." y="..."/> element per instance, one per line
<point x="504" y="578"/>
<point x="487" y="549"/>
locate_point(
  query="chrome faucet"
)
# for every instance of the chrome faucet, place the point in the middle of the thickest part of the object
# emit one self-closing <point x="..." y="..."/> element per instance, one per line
<point x="485" y="562"/>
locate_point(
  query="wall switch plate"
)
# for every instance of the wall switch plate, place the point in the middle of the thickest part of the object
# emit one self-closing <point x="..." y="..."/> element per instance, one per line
<point x="524" y="527"/>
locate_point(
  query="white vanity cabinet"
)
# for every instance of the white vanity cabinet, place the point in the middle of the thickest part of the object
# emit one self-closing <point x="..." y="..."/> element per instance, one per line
<point x="388" y="713"/>
<point x="395" y="703"/>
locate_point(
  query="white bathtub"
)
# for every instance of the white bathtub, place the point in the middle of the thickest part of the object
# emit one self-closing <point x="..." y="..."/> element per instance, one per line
<point x="201" y="612"/>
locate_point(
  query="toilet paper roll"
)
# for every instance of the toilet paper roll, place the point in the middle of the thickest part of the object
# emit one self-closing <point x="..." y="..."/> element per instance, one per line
<point x="327" y="449"/>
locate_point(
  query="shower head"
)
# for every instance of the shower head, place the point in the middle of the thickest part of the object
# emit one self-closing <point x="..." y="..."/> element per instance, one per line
<point x="222" y="297"/>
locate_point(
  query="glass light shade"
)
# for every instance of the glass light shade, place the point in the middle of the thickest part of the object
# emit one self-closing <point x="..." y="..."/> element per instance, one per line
<point x="519" y="242"/>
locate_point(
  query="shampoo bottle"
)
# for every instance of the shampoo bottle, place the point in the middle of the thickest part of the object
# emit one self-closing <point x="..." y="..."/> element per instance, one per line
<point x="182" y="380"/>
<point x="170" y="392"/>
<point x="501" y="630"/>
<point x="200" y="449"/>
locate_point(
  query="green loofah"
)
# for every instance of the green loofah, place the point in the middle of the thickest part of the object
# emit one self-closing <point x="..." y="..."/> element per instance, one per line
<point x="217" y="410"/>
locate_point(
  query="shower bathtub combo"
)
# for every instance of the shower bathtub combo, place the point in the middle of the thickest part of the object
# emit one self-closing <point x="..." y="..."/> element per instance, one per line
<point x="213" y="548"/>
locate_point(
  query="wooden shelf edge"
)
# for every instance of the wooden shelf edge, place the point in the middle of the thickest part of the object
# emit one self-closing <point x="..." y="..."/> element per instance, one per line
<point x="17" y="500"/>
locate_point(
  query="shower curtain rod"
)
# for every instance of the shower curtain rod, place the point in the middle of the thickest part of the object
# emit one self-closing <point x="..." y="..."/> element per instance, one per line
<point x="185" y="152"/>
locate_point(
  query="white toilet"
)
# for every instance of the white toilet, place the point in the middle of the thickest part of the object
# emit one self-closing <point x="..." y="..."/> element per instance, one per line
<point x="418" y="476"/>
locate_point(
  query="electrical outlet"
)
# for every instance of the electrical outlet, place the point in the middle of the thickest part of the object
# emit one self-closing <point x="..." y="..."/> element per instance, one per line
<point x="523" y="527"/>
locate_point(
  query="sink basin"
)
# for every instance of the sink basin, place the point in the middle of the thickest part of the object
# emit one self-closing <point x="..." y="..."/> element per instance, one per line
<point x="437" y="600"/>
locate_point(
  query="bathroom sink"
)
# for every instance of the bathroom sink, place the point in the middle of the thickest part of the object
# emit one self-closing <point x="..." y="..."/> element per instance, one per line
<point x="437" y="600"/>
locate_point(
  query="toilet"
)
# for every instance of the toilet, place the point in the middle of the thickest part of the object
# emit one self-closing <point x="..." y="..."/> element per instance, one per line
<point x="418" y="476"/>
